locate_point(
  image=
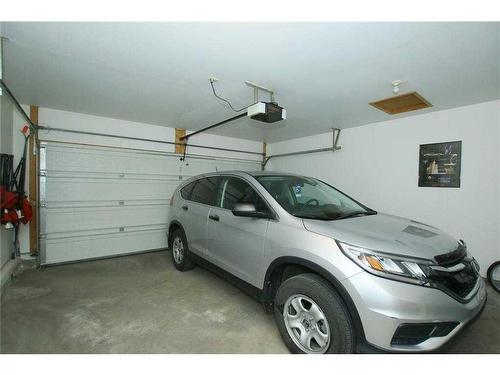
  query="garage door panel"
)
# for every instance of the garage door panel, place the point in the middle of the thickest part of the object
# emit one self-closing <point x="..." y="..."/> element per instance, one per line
<point x="110" y="175"/>
<point x="108" y="203"/>
<point x="67" y="249"/>
<point x="79" y="234"/>
<point x="84" y="190"/>
<point x="100" y="202"/>
<point x="92" y="218"/>
<point x="97" y="160"/>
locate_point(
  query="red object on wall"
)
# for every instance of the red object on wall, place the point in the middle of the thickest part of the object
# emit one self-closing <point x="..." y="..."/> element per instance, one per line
<point x="25" y="130"/>
<point x="27" y="211"/>
<point x="8" y="199"/>
<point x="13" y="208"/>
<point x="10" y="217"/>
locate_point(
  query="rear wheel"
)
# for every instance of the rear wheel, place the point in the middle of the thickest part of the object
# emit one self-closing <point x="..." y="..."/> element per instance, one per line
<point x="180" y="251"/>
<point x="312" y="318"/>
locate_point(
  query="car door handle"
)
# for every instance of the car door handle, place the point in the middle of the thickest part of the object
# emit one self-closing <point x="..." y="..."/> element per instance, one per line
<point x="214" y="217"/>
<point x="185" y="207"/>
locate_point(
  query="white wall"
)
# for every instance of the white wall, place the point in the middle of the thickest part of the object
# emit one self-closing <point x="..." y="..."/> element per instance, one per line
<point x="5" y="147"/>
<point x="7" y="264"/>
<point x="378" y="165"/>
<point x="7" y="236"/>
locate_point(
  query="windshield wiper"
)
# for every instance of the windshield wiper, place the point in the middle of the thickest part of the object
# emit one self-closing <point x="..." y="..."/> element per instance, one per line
<point x="357" y="213"/>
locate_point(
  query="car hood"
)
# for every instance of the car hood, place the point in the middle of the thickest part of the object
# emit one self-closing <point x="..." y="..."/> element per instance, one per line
<point x="387" y="233"/>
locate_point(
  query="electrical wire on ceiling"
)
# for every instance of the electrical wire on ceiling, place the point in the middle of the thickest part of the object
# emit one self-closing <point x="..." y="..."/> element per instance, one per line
<point x="227" y="101"/>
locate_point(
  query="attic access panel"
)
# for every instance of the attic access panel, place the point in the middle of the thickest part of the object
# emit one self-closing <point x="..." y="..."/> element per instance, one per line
<point x="411" y="101"/>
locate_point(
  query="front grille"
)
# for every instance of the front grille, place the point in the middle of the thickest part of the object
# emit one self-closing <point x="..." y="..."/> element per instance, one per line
<point x="458" y="284"/>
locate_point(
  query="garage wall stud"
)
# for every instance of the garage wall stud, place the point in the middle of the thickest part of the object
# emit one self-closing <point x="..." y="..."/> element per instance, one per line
<point x="180" y="143"/>
<point x="33" y="182"/>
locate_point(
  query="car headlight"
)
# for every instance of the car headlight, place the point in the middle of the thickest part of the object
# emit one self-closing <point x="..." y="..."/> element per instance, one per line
<point x="401" y="268"/>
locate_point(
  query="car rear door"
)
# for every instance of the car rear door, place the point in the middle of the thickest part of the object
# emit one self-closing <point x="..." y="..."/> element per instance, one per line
<point x="236" y="244"/>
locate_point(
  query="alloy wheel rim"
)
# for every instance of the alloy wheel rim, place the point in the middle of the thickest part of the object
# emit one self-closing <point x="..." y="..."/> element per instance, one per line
<point x="177" y="250"/>
<point x="306" y="324"/>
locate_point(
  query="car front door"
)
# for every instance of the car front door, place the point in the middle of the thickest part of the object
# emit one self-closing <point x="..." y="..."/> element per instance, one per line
<point x="236" y="244"/>
<point x="196" y="208"/>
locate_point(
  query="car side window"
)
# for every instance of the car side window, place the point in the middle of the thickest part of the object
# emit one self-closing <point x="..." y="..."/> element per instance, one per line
<point x="187" y="190"/>
<point x="205" y="190"/>
<point x="235" y="190"/>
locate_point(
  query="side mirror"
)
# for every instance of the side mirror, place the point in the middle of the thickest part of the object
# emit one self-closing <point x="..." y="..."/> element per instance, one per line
<point x="249" y="210"/>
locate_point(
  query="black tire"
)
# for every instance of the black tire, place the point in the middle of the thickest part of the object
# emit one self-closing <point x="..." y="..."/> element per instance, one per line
<point x="489" y="275"/>
<point x="342" y="336"/>
<point x="183" y="263"/>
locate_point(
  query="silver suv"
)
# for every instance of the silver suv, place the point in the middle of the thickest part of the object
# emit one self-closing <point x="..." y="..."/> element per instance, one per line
<point x="338" y="276"/>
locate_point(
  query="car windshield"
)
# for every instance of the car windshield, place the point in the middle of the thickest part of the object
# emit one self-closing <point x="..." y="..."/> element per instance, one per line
<point x="309" y="198"/>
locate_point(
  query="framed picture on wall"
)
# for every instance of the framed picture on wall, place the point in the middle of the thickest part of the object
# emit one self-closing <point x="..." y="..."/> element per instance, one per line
<point x="439" y="164"/>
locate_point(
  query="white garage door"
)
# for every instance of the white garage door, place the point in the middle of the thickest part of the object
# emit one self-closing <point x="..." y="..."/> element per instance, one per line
<point x="99" y="202"/>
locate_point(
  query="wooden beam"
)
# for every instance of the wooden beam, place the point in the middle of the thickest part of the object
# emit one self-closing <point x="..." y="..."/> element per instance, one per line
<point x="33" y="182"/>
<point x="179" y="133"/>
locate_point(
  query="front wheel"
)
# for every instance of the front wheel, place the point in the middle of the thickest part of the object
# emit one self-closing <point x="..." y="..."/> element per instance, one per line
<point x="180" y="252"/>
<point x="312" y="318"/>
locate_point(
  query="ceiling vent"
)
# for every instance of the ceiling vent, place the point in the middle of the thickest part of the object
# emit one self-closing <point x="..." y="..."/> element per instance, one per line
<point x="402" y="103"/>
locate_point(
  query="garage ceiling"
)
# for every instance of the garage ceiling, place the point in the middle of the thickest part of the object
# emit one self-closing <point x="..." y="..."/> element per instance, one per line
<point x="324" y="74"/>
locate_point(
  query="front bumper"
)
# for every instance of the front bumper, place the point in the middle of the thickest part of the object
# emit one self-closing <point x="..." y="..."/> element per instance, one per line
<point x="383" y="305"/>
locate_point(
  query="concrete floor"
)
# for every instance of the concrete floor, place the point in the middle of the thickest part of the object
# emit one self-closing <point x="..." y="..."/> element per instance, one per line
<point x="141" y="304"/>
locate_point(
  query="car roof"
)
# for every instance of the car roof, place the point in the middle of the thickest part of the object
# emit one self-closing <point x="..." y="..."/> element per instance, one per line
<point x="251" y="173"/>
<point x="240" y="173"/>
<point x="270" y="173"/>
